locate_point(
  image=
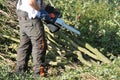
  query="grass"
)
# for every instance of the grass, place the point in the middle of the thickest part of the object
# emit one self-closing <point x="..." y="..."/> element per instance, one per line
<point x="96" y="72"/>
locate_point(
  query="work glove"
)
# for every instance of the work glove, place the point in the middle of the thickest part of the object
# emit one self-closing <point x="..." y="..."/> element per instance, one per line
<point x="43" y="15"/>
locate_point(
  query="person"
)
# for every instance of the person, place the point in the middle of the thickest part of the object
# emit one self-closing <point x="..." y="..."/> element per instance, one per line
<point x="32" y="36"/>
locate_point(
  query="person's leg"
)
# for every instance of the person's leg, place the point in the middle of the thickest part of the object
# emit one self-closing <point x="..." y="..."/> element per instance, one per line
<point x="23" y="52"/>
<point x="37" y="35"/>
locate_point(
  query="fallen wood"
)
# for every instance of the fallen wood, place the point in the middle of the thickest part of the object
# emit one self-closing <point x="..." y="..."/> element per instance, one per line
<point x="99" y="55"/>
<point x="80" y="48"/>
<point x="11" y="38"/>
<point x="80" y="57"/>
<point x="4" y="13"/>
<point x="88" y="51"/>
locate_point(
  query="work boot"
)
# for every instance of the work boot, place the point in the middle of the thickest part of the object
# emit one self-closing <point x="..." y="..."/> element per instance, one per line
<point x="42" y="72"/>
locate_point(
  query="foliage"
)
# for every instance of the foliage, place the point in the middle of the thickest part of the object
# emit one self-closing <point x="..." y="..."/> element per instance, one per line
<point x="96" y="72"/>
<point x="98" y="22"/>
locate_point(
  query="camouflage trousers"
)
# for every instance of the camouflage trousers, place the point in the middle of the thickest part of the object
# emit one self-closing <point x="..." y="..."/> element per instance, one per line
<point x="32" y="42"/>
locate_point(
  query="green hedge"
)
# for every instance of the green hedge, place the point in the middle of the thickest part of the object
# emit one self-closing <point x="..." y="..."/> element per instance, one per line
<point x="98" y="22"/>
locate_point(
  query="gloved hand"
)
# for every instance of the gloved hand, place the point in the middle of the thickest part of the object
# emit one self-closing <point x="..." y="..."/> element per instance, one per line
<point x="43" y="15"/>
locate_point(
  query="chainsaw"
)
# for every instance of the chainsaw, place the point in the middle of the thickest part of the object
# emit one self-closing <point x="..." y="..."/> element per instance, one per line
<point x="56" y="22"/>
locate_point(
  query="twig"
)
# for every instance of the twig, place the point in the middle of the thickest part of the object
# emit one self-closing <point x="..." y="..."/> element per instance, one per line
<point x="2" y="58"/>
<point x="11" y="38"/>
<point x="51" y="3"/>
<point x="4" y="13"/>
<point x="99" y="55"/>
<point x="80" y="57"/>
<point x="116" y="22"/>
